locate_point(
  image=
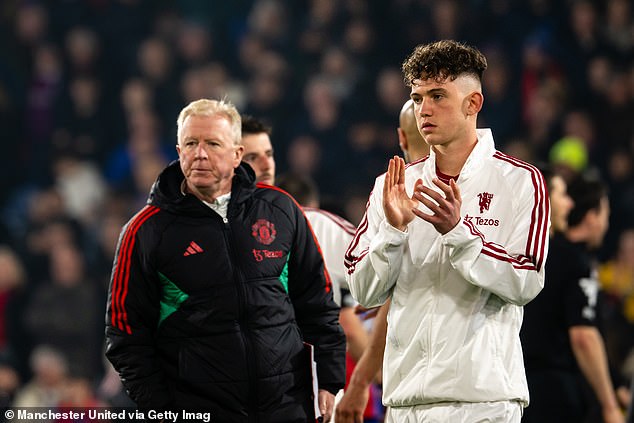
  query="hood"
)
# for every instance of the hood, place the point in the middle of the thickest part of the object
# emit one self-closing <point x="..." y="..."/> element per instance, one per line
<point x="166" y="190"/>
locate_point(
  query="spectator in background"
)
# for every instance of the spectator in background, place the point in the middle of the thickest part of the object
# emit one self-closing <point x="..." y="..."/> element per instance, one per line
<point x="616" y="277"/>
<point x="82" y="128"/>
<point x="80" y="184"/>
<point x="502" y="112"/>
<point x="47" y="226"/>
<point x="12" y="281"/>
<point x="43" y="92"/>
<point x="155" y="62"/>
<point x="353" y="405"/>
<point x="563" y="347"/>
<point x="9" y="381"/>
<point x="50" y="376"/>
<point x="64" y="312"/>
<point x="144" y="141"/>
<point x="13" y="346"/>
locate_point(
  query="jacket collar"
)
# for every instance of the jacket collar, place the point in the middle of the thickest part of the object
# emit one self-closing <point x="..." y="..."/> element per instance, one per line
<point x="484" y="148"/>
<point x="166" y="190"/>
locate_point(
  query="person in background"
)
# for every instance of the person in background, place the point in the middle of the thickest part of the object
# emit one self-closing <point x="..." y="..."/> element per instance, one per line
<point x="561" y="341"/>
<point x="258" y="150"/>
<point x="332" y="231"/>
<point x="50" y="378"/>
<point x="216" y="287"/>
<point x="410" y="139"/>
<point x="458" y="242"/>
<point x="354" y="402"/>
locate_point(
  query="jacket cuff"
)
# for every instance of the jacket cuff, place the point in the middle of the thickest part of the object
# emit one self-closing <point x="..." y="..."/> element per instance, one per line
<point x="460" y="235"/>
<point x="333" y="389"/>
<point x="391" y="235"/>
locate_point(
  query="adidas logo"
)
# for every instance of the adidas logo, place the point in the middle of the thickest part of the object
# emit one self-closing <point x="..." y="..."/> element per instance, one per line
<point x="192" y="249"/>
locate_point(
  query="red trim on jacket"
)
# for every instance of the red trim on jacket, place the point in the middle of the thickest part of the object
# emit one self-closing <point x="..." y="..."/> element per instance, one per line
<point x="121" y="274"/>
<point x="338" y="220"/>
<point x="538" y="232"/>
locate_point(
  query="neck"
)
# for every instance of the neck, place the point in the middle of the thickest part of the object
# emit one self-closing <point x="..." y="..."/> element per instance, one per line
<point x="451" y="157"/>
<point x="208" y="195"/>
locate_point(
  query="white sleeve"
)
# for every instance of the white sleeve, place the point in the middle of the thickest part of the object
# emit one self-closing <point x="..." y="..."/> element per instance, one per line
<point x="373" y="259"/>
<point x="334" y="235"/>
<point x="513" y="272"/>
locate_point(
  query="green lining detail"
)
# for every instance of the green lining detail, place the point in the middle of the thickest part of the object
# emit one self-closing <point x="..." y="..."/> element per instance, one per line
<point x="283" y="278"/>
<point x="172" y="298"/>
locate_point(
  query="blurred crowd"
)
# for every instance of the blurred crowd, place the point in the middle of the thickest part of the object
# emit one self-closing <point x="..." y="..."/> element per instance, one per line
<point x="90" y="91"/>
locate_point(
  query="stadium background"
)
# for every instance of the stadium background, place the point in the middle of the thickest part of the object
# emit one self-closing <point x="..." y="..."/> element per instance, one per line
<point x="90" y="91"/>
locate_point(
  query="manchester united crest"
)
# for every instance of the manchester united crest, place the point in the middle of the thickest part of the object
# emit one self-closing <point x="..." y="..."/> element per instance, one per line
<point x="485" y="201"/>
<point x="263" y="231"/>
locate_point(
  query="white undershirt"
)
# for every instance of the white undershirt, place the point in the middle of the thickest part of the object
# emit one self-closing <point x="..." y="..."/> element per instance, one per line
<point x="219" y="205"/>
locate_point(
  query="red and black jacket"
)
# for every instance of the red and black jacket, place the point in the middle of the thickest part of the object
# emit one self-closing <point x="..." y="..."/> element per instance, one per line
<point x="211" y="314"/>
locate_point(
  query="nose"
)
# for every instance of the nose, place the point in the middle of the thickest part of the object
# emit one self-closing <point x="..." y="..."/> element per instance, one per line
<point x="201" y="151"/>
<point x="424" y="108"/>
<point x="265" y="162"/>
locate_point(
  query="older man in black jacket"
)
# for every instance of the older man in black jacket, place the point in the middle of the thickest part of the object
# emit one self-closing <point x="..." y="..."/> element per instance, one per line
<point x="216" y="285"/>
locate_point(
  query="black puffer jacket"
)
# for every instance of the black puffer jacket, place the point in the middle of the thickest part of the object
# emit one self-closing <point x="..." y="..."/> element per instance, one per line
<point x="206" y="314"/>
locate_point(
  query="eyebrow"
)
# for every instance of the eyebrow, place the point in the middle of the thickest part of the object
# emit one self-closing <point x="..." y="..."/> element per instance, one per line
<point x="429" y="92"/>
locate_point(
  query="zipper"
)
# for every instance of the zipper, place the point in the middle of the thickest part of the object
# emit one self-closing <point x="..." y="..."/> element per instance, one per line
<point x="252" y="406"/>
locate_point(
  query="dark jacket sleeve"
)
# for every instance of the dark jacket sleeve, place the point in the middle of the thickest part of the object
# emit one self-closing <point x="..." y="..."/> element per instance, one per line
<point x="131" y="319"/>
<point x="317" y="313"/>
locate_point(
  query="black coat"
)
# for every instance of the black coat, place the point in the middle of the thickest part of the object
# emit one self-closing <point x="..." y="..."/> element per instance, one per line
<point x="211" y="314"/>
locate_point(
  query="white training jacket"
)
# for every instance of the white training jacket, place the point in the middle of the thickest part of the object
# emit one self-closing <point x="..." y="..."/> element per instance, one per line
<point x="456" y="312"/>
<point x="333" y="234"/>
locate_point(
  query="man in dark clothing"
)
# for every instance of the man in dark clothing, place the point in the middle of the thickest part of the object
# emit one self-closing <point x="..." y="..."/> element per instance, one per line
<point x="216" y="284"/>
<point x="562" y="345"/>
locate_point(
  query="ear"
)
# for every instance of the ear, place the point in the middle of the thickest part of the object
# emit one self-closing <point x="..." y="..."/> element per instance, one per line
<point x="178" y="150"/>
<point x="238" y="155"/>
<point x="402" y="139"/>
<point x="474" y="102"/>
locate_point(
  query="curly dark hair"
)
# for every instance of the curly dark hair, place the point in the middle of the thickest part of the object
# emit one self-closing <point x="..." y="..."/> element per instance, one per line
<point x="441" y="60"/>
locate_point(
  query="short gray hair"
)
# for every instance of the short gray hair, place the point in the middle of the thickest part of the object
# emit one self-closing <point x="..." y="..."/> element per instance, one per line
<point x="206" y="107"/>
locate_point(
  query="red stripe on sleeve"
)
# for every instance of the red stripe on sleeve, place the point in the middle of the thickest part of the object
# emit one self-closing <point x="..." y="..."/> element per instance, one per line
<point x="121" y="275"/>
<point x="536" y="242"/>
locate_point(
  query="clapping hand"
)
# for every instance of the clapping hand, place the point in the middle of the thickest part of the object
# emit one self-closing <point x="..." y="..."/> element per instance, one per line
<point x="445" y="210"/>
<point x="397" y="205"/>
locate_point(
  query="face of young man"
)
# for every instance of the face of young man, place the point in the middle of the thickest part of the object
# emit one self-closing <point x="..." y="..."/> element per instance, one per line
<point x="208" y="155"/>
<point x="258" y="153"/>
<point x="444" y="110"/>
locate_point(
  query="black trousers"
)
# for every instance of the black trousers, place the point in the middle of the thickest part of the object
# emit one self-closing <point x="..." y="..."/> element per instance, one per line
<point x="556" y="396"/>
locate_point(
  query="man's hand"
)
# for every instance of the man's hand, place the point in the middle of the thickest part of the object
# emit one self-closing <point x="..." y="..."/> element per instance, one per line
<point x="397" y="205"/>
<point x="445" y="210"/>
<point x="326" y="403"/>
<point x="352" y="405"/>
